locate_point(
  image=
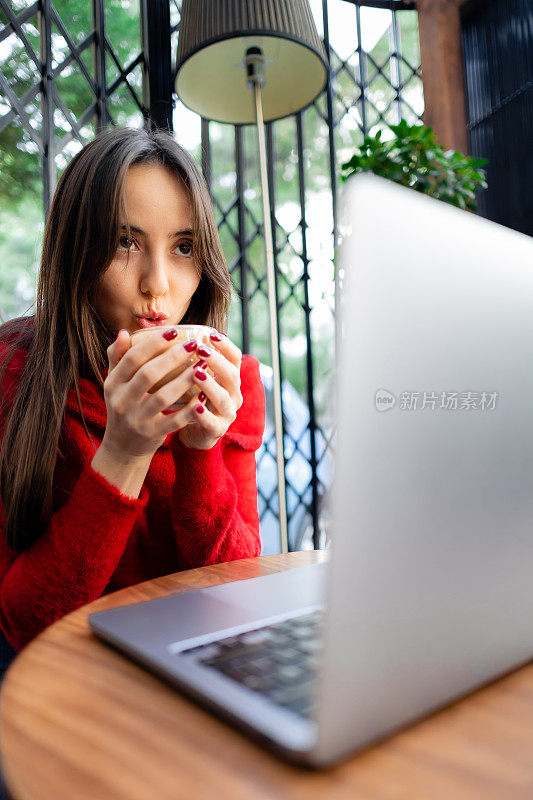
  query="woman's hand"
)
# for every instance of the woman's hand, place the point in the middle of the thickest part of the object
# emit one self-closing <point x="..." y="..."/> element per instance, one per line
<point x="221" y="397"/>
<point x="136" y="425"/>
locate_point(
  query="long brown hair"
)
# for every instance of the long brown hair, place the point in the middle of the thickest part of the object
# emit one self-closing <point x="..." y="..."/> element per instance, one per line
<point x="66" y="338"/>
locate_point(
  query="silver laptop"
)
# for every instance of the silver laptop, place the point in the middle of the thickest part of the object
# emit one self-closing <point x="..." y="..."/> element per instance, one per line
<point x="428" y="593"/>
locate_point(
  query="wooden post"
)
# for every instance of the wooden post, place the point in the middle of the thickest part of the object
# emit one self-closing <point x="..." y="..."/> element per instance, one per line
<point x="442" y="71"/>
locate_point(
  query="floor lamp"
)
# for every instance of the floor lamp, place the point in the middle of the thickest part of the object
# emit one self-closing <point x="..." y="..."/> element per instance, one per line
<point x="252" y="61"/>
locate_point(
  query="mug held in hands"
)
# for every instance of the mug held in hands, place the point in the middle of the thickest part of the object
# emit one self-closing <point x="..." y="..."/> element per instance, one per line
<point x="185" y="333"/>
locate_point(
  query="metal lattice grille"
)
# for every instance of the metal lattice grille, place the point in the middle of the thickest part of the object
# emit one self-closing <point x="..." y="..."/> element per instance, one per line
<point x="92" y="77"/>
<point x="66" y="71"/>
<point x="64" y="76"/>
<point x="369" y="89"/>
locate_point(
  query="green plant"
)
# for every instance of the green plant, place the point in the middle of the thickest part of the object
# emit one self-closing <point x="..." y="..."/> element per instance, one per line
<point x="413" y="158"/>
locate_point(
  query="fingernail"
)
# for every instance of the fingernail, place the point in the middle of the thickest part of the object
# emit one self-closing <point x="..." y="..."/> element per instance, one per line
<point x="216" y="337"/>
<point x="190" y="346"/>
<point x="169" y="335"/>
<point x="201" y="365"/>
<point x="200" y="374"/>
<point x="204" y="352"/>
<point x="202" y="396"/>
<point x="200" y="409"/>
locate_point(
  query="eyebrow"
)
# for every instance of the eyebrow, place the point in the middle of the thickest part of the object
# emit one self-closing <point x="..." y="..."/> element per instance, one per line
<point x="135" y="229"/>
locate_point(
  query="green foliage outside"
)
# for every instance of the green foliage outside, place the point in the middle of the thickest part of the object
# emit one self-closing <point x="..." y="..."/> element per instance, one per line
<point x="414" y="158"/>
<point x="20" y="236"/>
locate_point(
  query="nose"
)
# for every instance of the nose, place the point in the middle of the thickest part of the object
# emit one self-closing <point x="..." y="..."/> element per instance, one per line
<point x="154" y="275"/>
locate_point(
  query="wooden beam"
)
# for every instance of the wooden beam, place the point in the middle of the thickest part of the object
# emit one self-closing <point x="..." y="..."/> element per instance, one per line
<point x="439" y="24"/>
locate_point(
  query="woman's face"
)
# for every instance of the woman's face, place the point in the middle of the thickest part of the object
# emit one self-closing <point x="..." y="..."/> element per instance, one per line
<point x="155" y="284"/>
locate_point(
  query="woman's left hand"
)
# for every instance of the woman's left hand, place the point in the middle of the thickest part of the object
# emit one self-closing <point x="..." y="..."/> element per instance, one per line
<point x="217" y="408"/>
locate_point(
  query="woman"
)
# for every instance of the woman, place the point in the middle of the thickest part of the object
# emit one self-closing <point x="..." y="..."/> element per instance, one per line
<point x="101" y="486"/>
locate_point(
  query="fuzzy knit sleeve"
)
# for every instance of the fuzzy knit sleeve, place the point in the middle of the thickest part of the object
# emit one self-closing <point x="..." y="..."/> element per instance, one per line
<point x="73" y="560"/>
<point x="71" y="563"/>
<point x="216" y="518"/>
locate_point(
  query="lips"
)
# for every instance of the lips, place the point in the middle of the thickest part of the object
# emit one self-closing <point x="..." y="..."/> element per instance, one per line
<point x="152" y="320"/>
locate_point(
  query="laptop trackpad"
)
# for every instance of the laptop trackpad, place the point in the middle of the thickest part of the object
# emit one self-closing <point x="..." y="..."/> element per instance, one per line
<point x="270" y="595"/>
<point x="246" y="602"/>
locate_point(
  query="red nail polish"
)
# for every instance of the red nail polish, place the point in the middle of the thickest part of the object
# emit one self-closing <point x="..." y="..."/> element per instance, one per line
<point x="201" y="365"/>
<point x="200" y="374"/>
<point x="204" y="352"/>
<point x="216" y="337"/>
<point x="190" y="346"/>
<point x="202" y="396"/>
<point x="200" y="409"/>
<point x="169" y="335"/>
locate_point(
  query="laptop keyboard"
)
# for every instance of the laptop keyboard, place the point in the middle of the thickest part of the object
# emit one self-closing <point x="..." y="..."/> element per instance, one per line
<point x="279" y="661"/>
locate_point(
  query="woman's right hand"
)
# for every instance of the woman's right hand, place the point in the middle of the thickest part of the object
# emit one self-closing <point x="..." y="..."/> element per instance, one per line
<point x="136" y="426"/>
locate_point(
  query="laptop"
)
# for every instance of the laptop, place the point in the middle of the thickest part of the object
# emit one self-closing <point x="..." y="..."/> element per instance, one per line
<point x="428" y="592"/>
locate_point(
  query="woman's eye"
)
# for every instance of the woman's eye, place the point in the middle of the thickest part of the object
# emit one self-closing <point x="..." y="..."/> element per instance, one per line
<point x="125" y="243"/>
<point x="185" y="248"/>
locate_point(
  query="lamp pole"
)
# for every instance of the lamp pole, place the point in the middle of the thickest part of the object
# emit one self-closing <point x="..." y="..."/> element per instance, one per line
<point x="255" y="67"/>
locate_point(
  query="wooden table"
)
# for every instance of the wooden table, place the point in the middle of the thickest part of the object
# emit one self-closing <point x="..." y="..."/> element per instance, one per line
<point x="80" y="722"/>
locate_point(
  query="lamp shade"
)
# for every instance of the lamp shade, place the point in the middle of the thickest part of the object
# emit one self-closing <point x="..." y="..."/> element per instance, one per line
<point x="214" y="37"/>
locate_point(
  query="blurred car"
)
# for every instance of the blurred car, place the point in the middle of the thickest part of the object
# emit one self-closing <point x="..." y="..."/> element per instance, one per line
<point x="298" y="472"/>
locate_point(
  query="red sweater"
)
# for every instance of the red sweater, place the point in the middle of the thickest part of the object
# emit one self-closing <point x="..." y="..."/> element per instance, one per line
<point x="196" y="507"/>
